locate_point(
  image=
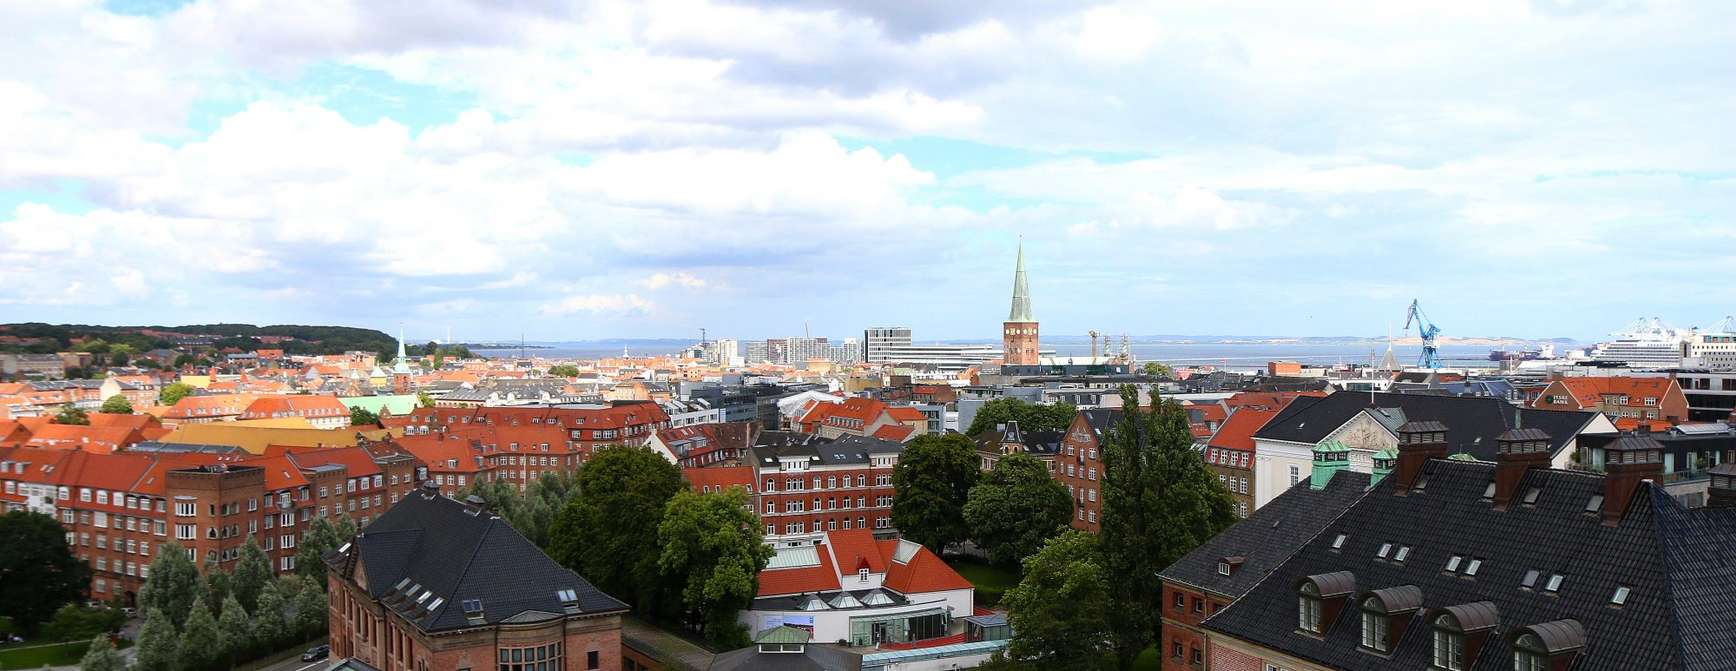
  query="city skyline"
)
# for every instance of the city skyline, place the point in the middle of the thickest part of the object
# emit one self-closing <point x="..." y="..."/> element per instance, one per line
<point x="647" y="170"/>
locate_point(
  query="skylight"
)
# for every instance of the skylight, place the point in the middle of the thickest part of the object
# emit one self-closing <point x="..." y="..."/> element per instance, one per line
<point x="1595" y="504"/>
<point x="1402" y="554"/>
<point x="1620" y="596"/>
<point x="1453" y="563"/>
<point x="1554" y="583"/>
<point x="1489" y="492"/>
<point x="566" y="596"/>
<point x="472" y="606"/>
<point x="1473" y="567"/>
<point x="1530" y="580"/>
<point x="1532" y="494"/>
<point x="1384" y="549"/>
<point x="1338" y="542"/>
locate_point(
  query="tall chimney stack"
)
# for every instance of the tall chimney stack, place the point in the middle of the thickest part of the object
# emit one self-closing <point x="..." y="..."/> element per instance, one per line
<point x="1519" y="450"/>
<point x="1418" y="442"/>
<point x="1631" y="459"/>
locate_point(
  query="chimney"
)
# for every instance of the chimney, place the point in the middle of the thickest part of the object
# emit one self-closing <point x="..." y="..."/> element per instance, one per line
<point x="1519" y="450"/>
<point x="1329" y="457"/>
<point x="1721" y="493"/>
<point x="1418" y="442"/>
<point x="1631" y="459"/>
<point x="1384" y="462"/>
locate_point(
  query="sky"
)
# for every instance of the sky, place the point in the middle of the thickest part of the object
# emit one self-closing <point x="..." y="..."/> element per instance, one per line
<point x="578" y="170"/>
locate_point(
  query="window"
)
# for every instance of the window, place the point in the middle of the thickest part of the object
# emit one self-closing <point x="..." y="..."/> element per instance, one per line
<point x="1374" y="625"/>
<point x="1384" y="549"/>
<point x="1308" y="609"/>
<point x="1554" y="584"/>
<point x="1449" y="645"/>
<point x="1223" y="568"/>
<point x="1177" y="600"/>
<point x="1453" y="563"/>
<point x="1338" y="543"/>
<point x="1402" y="554"/>
<point x="1472" y="568"/>
<point x="1531" y="495"/>
<point x="591" y="661"/>
<point x="1529" y="654"/>
<point x="1620" y="596"/>
<point x="1295" y="475"/>
<point x="1595" y="504"/>
<point x="1530" y="580"/>
<point x="532" y="659"/>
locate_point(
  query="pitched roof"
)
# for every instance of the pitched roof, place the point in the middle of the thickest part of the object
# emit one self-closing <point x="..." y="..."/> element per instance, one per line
<point x="1267" y="537"/>
<point x="437" y="545"/>
<point x="1589" y="391"/>
<point x="923" y="572"/>
<point x="1237" y="432"/>
<point x="1472" y="422"/>
<point x="717" y="477"/>
<point x="1674" y="562"/>
<point x="856" y="549"/>
<point x="904" y="413"/>
<point x="817" y="577"/>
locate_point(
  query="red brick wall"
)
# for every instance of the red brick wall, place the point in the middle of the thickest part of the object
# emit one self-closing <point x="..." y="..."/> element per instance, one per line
<point x="1226" y="659"/>
<point x="1079" y="451"/>
<point x="778" y="495"/>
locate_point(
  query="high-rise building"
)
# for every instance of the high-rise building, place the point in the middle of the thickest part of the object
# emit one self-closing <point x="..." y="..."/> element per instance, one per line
<point x="876" y="340"/>
<point x="727" y="350"/>
<point x="755" y="353"/>
<point x="1019" y="332"/>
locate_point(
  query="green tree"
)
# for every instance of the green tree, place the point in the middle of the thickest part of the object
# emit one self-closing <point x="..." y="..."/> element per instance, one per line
<point x="116" y="405"/>
<point x="183" y="360"/>
<point x="71" y="414"/>
<point x="533" y="511"/>
<point x="714" y="551"/>
<point x="322" y="536"/>
<point x="251" y="574"/>
<point x="173" y="584"/>
<point x="1159" y="503"/>
<point x="931" y="483"/>
<point x="604" y="532"/>
<point x="120" y="358"/>
<point x="310" y="609"/>
<point x="1059" y="611"/>
<point x="1155" y="369"/>
<point x="424" y="400"/>
<point x="201" y="642"/>
<point x="38" y="572"/>
<point x="215" y="586"/>
<point x="173" y="392"/>
<point x="1030" y="416"/>
<point x="564" y="370"/>
<point x="1015" y="508"/>
<point x="158" y="646"/>
<point x="92" y="345"/>
<point x="73" y="621"/>
<point x="360" y="416"/>
<point x="271" y="625"/>
<point x="234" y="631"/>
<point x="102" y="656"/>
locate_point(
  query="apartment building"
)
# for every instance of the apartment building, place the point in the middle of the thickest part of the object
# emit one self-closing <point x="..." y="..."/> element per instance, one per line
<point x="808" y="486"/>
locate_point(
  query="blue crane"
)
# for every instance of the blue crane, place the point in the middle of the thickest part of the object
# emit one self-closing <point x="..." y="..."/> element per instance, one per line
<point x="1431" y="356"/>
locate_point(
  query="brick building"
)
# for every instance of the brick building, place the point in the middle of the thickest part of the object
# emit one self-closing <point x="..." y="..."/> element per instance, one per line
<point x="586" y="427"/>
<point x="1627" y="401"/>
<point x="1079" y="464"/>
<point x="436" y="584"/>
<point x="808" y="486"/>
<point x="322" y="411"/>
<point x="1229" y="454"/>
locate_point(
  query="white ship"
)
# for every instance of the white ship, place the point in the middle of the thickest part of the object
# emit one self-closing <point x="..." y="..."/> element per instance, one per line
<point x="1648" y="343"/>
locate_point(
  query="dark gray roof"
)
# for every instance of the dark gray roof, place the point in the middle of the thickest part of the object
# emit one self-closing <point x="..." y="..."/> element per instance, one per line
<point x="429" y="543"/>
<point x="1472" y="422"/>
<point x="843" y="450"/>
<point x="1677" y="615"/>
<point x="1268" y="537"/>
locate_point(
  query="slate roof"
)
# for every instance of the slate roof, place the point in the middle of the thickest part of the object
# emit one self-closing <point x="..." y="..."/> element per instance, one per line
<point x="437" y="544"/>
<point x="1472" y="422"/>
<point x="1675" y="561"/>
<point x="1268" y="537"/>
<point x="813" y="658"/>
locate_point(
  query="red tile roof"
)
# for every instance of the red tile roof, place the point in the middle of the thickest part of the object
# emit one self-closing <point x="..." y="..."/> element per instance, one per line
<point x="856" y="549"/>
<point x="1237" y="432"/>
<point x="1589" y="391"/>
<point x="897" y="433"/>
<point x="267" y="407"/>
<point x="779" y="582"/>
<point x="719" y="476"/>
<point x="906" y="413"/>
<point x="923" y="573"/>
<point x="356" y="460"/>
<point x="442" y="453"/>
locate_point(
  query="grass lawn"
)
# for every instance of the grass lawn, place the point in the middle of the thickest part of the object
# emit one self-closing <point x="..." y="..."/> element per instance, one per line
<point x="990" y="581"/>
<point x="1148" y="660"/>
<point x="38" y="656"/>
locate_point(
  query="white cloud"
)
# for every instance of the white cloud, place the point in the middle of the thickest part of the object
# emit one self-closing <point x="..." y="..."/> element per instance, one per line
<point x="597" y="304"/>
<point x="681" y="279"/>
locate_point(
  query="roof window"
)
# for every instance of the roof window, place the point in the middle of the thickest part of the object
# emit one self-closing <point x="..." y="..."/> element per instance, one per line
<point x="1620" y="596"/>
<point x="1595" y="504"/>
<point x="472" y="606"/>
<point x="1384" y="549"/>
<point x="1474" y="566"/>
<point x="1532" y="494"/>
<point x="1554" y="584"/>
<point x="1453" y="563"/>
<point x="1402" y="554"/>
<point x="1338" y="543"/>
<point x="1489" y="492"/>
<point x="1530" y="580"/>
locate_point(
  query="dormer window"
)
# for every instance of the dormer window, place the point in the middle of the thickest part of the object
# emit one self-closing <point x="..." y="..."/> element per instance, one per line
<point x="1223" y="568"/>
<point x="1449" y="644"/>
<point x="1529" y="654"/>
<point x="1374" y="625"/>
<point x="1308" y="608"/>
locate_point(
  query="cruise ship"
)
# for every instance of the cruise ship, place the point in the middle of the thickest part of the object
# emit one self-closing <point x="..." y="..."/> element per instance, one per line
<point x="1646" y="344"/>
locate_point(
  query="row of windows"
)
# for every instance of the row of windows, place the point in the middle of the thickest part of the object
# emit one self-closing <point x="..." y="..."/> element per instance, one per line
<point x="832" y="524"/>
<point x="831" y="503"/>
<point x="797" y="484"/>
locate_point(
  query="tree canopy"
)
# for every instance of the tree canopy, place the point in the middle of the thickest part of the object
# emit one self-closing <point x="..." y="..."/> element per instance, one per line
<point x="201" y="641"/>
<point x="931" y="483"/>
<point x="1159" y="503"/>
<point x="173" y="392"/>
<point x="173" y="584"/>
<point x="564" y="370"/>
<point x="75" y="621"/>
<point x="116" y="405"/>
<point x="713" y="549"/>
<point x="1059" y="611"/>
<point x="38" y="572"/>
<point x="102" y="656"/>
<point x="158" y="644"/>
<point x="323" y="535"/>
<point x="360" y="416"/>
<point x="1030" y="416"/>
<point x="606" y="533"/>
<point x="251" y="574"/>
<point x="1155" y="369"/>
<point x="1015" y="508"/>
<point x="71" y="414"/>
<point x="533" y="511"/>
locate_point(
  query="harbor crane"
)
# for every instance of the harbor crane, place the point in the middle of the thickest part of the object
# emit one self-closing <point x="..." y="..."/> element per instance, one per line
<point x="1431" y="356"/>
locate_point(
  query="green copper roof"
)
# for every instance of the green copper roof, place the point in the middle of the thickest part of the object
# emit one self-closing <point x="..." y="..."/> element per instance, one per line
<point x="1331" y="446"/>
<point x="782" y="634"/>
<point x="1388" y="453"/>
<point x="1021" y="311"/>
<point x="1461" y="457"/>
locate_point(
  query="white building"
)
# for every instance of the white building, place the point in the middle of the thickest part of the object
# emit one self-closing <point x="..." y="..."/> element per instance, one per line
<point x="850" y="586"/>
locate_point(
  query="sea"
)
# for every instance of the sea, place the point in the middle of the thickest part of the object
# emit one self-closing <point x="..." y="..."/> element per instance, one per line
<point x="1232" y="355"/>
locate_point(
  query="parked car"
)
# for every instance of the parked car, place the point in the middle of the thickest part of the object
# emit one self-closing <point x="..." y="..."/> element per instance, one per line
<point x="316" y="653"/>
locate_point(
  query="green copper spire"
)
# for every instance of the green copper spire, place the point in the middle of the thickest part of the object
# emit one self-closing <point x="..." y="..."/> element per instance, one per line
<point x="1021" y="311"/>
<point x="401" y="365"/>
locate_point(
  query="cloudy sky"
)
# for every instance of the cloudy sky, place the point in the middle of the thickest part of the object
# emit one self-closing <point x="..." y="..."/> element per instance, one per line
<point x="582" y="170"/>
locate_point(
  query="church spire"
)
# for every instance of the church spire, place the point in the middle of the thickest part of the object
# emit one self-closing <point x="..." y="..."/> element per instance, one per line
<point x="1021" y="311"/>
<point x="402" y="363"/>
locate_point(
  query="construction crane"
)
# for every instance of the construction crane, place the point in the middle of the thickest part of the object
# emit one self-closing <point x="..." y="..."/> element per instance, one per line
<point x="1094" y="335"/>
<point x="1431" y="356"/>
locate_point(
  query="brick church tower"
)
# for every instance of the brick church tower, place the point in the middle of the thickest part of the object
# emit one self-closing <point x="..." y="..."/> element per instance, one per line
<point x="1019" y="332"/>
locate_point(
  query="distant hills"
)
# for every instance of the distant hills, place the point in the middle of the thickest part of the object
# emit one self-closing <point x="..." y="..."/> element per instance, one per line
<point x="291" y="338"/>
